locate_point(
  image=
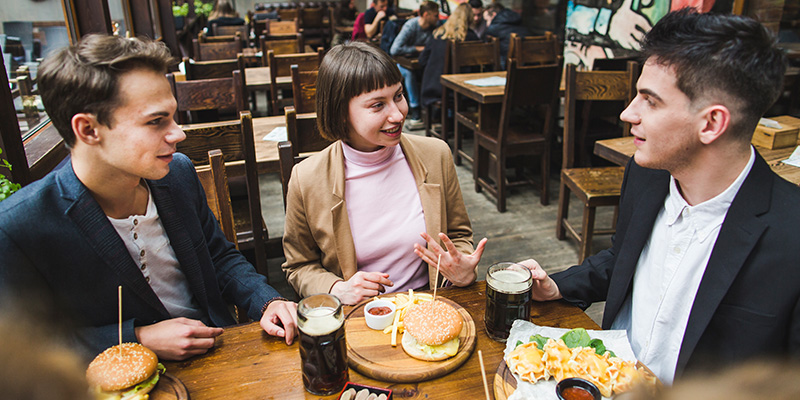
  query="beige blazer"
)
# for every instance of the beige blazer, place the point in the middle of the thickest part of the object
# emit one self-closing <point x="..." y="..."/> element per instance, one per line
<point x="317" y="240"/>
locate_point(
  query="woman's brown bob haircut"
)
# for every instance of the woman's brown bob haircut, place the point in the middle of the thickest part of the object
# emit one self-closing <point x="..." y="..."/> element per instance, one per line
<point x="85" y="78"/>
<point x="347" y="71"/>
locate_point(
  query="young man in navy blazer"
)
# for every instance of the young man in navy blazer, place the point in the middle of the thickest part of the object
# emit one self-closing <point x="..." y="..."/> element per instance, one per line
<point x="127" y="210"/>
<point x="704" y="266"/>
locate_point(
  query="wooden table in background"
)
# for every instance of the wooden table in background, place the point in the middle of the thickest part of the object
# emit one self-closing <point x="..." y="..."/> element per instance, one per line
<point x="246" y="363"/>
<point x="620" y="150"/>
<point x="489" y="99"/>
<point x="409" y="63"/>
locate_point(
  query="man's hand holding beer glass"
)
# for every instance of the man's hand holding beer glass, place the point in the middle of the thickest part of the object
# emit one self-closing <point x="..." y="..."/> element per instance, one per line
<point x="544" y="288"/>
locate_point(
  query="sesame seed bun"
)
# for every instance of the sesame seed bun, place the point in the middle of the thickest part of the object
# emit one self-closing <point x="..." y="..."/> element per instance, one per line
<point x="121" y="366"/>
<point x="431" y="324"/>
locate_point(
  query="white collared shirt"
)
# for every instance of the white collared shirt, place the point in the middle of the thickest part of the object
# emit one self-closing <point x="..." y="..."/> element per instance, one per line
<point x="668" y="274"/>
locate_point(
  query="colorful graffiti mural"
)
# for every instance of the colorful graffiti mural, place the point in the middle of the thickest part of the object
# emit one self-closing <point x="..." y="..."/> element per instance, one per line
<point x="612" y="28"/>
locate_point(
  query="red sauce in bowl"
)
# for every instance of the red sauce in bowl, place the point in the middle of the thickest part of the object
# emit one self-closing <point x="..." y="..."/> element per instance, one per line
<point x="380" y="310"/>
<point x="576" y="393"/>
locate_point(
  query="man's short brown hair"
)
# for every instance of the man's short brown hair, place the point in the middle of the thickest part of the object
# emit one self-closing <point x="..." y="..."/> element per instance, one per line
<point x="349" y="70"/>
<point x="85" y="78"/>
<point x="428" y="6"/>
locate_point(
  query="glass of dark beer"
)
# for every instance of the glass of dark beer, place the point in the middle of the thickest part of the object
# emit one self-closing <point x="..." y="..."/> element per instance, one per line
<point x="508" y="298"/>
<point x="323" y="351"/>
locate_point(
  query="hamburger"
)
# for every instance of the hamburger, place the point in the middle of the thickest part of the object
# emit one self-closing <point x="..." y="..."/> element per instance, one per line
<point x="125" y="372"/>
<point x="431" y="331"/>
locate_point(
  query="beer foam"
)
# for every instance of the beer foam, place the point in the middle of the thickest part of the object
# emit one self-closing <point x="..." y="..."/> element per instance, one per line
<point x="509" y="281"/>
<point x="321" y="321"/>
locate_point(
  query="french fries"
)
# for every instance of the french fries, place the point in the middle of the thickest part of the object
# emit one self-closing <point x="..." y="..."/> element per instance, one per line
<point x="403" y="302"/>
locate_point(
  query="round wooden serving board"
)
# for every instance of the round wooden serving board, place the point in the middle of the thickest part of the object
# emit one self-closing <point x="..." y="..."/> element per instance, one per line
<point x="504" y="382"/>
<point x="169" y="388"/>
<point x="370" y="352"/>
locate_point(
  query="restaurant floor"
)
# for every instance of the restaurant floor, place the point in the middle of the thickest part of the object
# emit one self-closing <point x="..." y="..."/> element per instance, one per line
<point x="525" y="230"/>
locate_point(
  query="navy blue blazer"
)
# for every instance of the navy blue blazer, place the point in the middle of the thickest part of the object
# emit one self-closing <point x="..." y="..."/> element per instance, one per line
<point x="55" y="240"/>
<point x="748" y="302"/>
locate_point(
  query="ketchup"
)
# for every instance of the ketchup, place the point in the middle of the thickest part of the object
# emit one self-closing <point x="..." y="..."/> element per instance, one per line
<point x="576" y="393"/>
<point x="381" y="310"/>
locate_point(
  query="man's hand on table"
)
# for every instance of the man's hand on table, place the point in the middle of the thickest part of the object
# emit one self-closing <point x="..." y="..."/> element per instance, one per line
<point x="361" y="286"/>
<point x="544" y="288"/>
<point x="455" y="266"/>
<point x="280" y="319"/>
<point x="177" y="338"/>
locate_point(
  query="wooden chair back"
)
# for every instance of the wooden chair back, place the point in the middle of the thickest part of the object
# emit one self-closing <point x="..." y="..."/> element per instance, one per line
<point x="287" y="14"/>
<point x="303" y="137"/>
<point x="219" y="94"/>
<point x="595" y="86"/>
<point x="533" y="50"/>
<point x="271" y="27"/>
<point x="304" y="90"/>
<point x="281" y="45"/>
<point x="230" y="30"/>
<point x="224" y="50"/>
<point x="311" y="18"/>
<point x="485" y="55"/>
<point x="209" y="69"/>
<point x="235" y="140"/>
<point x="280" y="65"/>
<point x="215" y="183"/>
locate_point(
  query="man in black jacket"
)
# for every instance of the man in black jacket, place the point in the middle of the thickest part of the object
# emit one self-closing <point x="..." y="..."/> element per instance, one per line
<point x="501" y="23"/>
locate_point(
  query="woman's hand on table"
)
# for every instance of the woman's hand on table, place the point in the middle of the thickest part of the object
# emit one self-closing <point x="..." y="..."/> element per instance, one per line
<point x="455" y="266"/>
<point x="177" y="338"/>
<point x="544" y="288"/>
<point x="361" y="286"/>
<point x="280" y="319"/>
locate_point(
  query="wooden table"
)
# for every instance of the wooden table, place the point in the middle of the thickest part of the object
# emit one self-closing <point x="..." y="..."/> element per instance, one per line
<point x="620" y="150"/>
<point x="246" y="363"/>
<point x="409" y="63"/>
<point x="488" y="98"/>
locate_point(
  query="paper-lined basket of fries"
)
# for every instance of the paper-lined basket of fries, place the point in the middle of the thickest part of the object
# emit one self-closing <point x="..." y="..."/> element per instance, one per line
<point x="540" y="356"/>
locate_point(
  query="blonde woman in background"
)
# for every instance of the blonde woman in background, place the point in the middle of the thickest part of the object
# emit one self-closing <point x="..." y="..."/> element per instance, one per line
<point x="224" y="14"/>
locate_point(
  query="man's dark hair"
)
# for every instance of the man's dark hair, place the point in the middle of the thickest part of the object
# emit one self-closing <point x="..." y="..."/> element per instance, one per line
<point x="476" y="3"/>
<point x="85" y="78"/>
<point x="727" y="58"/>
<point x="428" y="6"/>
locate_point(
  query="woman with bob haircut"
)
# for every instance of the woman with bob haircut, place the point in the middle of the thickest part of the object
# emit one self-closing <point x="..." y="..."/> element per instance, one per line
<point x="366" y="214"/>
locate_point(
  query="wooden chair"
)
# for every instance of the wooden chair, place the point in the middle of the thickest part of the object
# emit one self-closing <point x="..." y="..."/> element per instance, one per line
<point x="303" y="138"/>
<point x="215" y="183"/>
<point x="210" y="69"/>
<point x="219" y="94"/>
<point x="235" y="139"/>
<point x="230" y="30"/>
<point x="280" y="45"/>
<point x="533" y="50"/>
<point x="304" y="90"/>
<point x="280" y="66"/>
<point x="593" y="186"/>
<point x="483" y="56"/>
<point x="499" y="143"/>
<point x="315" y="31"/>
<point x="224" y="50"/>
<point x="287" y="14"/>
<point x="274" y="28"/>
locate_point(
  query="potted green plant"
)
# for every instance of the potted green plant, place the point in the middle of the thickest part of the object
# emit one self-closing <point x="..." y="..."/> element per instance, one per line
<point x="7" y="188"/>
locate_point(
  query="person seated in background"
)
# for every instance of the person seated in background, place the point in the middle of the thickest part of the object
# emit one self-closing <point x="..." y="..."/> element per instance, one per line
<point x="265" y="13"/>
<point x="355" y="210"/>
<point x="368" y="23"/>
<point x="345" y="16"/>
<point x="501" y="23"/>
<point x="457" y="28"/>
<point x="703" y="270"/>
<point x="127" y="210"/>
<point x="224" y="14"/>
<point x="415" y="34"/>
<point x="477" y="25"/>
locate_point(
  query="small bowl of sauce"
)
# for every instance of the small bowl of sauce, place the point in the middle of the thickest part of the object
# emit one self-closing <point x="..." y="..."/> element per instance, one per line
<point x="379" y="313"/>
<point x="577" y="389"/>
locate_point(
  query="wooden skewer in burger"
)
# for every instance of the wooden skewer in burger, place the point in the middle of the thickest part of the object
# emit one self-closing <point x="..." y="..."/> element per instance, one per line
<point x="432" y="329"/>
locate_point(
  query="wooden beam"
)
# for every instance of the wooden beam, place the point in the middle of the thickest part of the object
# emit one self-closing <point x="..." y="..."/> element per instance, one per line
<point x="11" y="138"/>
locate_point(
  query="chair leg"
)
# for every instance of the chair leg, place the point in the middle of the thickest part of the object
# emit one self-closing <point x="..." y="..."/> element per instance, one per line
<point x="456" y="134"/>
<point x="544" y="195"/>
<point x="480" y="168"/>
<point x="426" y="119"/>
<point x="500" y="183"/>
<point x="563" y="209"/>
<point x="588" y="231"/>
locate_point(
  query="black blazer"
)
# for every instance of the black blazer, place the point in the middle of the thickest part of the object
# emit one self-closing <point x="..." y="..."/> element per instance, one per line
<point x="748" y="302"/>
<point x="57" y="242"/>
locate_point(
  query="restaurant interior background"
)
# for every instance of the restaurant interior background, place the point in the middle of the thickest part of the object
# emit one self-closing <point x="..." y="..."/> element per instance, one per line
<point x="31" y="29"/>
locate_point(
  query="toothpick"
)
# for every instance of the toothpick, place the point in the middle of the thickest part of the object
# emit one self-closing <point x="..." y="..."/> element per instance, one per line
<point x="483" y="374"/>
<point x="436" y="280"/>
<point x="119" y="302"/>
